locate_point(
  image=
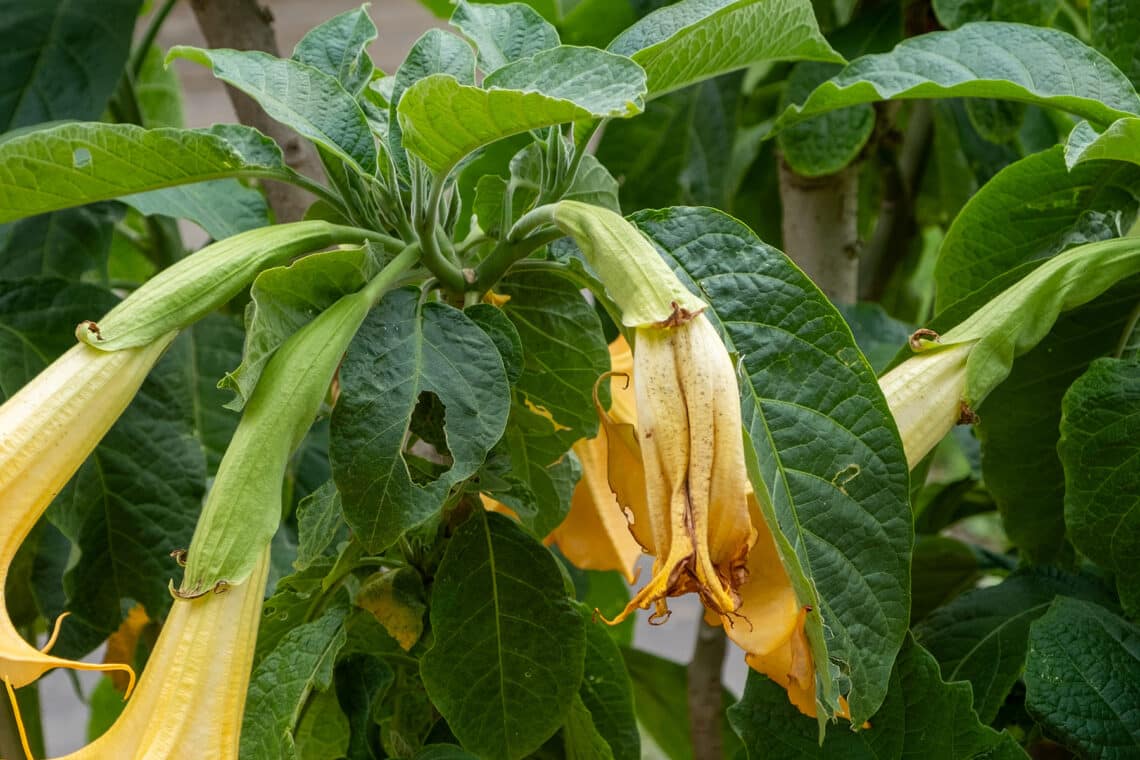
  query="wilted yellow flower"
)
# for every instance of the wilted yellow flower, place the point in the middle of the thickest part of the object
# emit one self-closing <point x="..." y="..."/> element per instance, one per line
<point x="926" y="396"/>
<point x="191" y="697"/>
<point x="47" y="429"/>
<point x="695" y="498"/>
<point x="596" y="534"/>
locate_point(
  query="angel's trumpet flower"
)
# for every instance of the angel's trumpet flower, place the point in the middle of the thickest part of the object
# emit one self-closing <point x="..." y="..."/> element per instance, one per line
<point x="191" y="696"/>
<point x="47" y="430"/>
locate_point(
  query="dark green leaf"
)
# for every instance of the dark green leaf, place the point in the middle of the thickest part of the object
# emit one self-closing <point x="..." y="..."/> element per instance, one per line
<point x="1001" y="227"/>
<point x="923" y="718"/>
<point x="607" y="692"/>
<point x="443" y="752"/>
<point x="503" y="334"/>
<point x="406" y="348"/>
<point x="285" y="299"/>
<point x="679" y="150"/>
<point x="222" y="207"/>
<point x="954" y="13"/>
<point x="299" y="96"/>
<point x="73" y="164"/>
<point x="281" y="683"/>
<point x="215" y="346"/>
<point x="503" y="33"/>
<point x="580" y="737"/>
<point x="691" y="41"/>
<point x="1100" y="441"/>
<point x="67" y="244"/>
<point x="982" y="636"/>
<point x="1082" y="678"/>
<point x="62" y="58"/>
<point x="983" y="60"/>
<point x="361" y="682"/>
<point x="1115" y="27"/>
<point x="127" y="513"/>
<point x="158" y="92"/>
<point x="827" y="465"/>
<point x="660" y="698"/>
<point x="877" y="334"/>
<point x="323" y="732"/>
<point x="338" y="47"/>
<point x="998" y="121"/>
<point x="943" y="568"/>
<point x="507" y="658"/>
<point x="828" y="142"/>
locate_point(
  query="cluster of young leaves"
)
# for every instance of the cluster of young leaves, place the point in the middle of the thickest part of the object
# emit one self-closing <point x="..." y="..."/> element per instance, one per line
<point x="407" y="621"/>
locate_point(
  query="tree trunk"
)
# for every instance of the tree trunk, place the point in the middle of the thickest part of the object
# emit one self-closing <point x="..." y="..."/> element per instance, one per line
<point x="246" y="25"/>
<point x="820" y="228"/>
<point x="705" y="707"/>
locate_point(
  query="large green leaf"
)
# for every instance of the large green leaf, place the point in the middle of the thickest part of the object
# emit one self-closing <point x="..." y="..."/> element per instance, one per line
<point x="828" y="142"/>
<point x="323" y="732"/>
<point x="443" y="120"/>
<point x="406" y="348"/>
<point x="62" y="58"/>
<point x="285" y="299"/>
<point x="1001" y="227"/>
<point x="1008" y="61"/>
<point x="158" y="92"/>
<point x="695" y="40"/>
<point x="73" y="164"/>
<point x="1115" y="27"/>
<point x="1100" y="442"/>
<point x="503" y="33"/>
<point x="509" y="645"/>
<point x="338" y="47"/>
<point x="1082" y="679"/>
<point x="923" y="718"/>
<point x="982" y="636"/>
<point x="299" y="96"/>
<point x="607" y="692"/>
<point x="70" y="244"/>
<point x="827" y="465"/>
<point x="222" y="207"/>
<point x="1120" y="141"/>
<point x="281" y="683"/>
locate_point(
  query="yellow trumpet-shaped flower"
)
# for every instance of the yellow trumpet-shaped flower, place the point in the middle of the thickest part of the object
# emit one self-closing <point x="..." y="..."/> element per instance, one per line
<point x="692" y="512"/>
<point x="47" y="429"/>
<point x="191" y="696"/>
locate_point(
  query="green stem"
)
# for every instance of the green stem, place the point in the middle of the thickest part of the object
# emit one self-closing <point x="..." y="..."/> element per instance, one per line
<point x="517" y="245"/>
<point x="1126" y="334"/>
<point x="1080" y="26"/>
<point x="382" y="282"/>
<point x="156" y="21"/>
<point x="431" y="253"/>
<point x="341" y="234"/>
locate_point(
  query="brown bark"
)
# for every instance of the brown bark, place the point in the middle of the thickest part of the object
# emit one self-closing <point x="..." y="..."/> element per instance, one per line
<point x="820" y="228"/>
<point x="247" y="25"/>
<point x="705" y="704"/>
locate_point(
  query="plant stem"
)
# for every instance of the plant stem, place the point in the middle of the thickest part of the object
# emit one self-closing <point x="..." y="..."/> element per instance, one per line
<point x="156" y="21"/>
<point x="430" y="251"/>
<point x="705" y="706"/>
<point x="1126" y="334"/>
<point x="820" y="232"/>
<point x="382" y="282"/>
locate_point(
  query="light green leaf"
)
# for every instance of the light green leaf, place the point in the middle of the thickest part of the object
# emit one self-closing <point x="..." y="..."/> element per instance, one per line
<point x="158" y="92"/>
<point x="1100" y="441"/>
<point x="214" y="346"/>
<point x="1115" y="27"/>
<point x="284" y="299"/>
<point x="62" y="59"/>
<point x="503" y="33"/>
<point x="1008" y="61"/>
<point x="982" y="636"/>
<point x="71" y="244"/>
<point x="338" y="47"/>
<point x="509" y="645"/>
<point x="828" y="142"/>
<point x="318" y="525"/>
<point x="1120" y="141"/>
<point x="435" y="52"/>
<point x="694" y="40"/>
<point x="825" y="458"/>
<point x="407" y="349"/>
<point x="443" y="120"/>
<point x="74" y="164"/>
<point x="1082" y="679"/>
<point x="281" y="683"/>
<point x="299" y="96"/>
<point x="222" y="207"/>
<point x="923" y="718"/>
<point x="1001" y="227"/>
